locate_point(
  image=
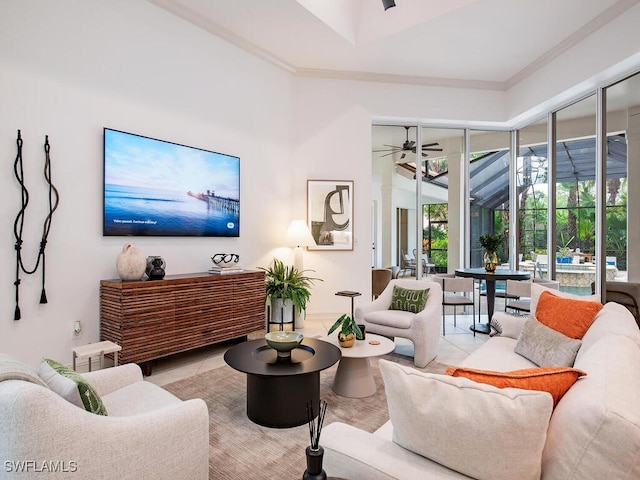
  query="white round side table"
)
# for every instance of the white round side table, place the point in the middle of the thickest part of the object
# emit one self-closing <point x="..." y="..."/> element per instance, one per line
<point x="354" y="377"/>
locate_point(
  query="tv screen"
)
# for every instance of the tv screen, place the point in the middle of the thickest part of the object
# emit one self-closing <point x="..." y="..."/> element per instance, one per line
<point x="158" y="188"/>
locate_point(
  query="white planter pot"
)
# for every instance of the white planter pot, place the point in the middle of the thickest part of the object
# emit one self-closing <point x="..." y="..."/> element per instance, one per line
<point x="281" y="311"/>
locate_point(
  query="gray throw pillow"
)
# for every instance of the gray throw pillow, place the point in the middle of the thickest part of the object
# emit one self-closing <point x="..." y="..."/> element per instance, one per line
<point x="546" y="347"/>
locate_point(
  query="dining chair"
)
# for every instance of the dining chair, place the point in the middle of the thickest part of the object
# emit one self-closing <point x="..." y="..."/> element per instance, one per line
<point x="455" y="292"/>
<point x="406" y="264"/>
<point x="427" y="266"/>
<point x="501" y="292"/>
<point x="519" y="293"/>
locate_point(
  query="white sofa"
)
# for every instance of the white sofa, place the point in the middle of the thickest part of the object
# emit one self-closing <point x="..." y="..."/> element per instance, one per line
<point x="593" y="432"/>
<point x="148" y="433"/>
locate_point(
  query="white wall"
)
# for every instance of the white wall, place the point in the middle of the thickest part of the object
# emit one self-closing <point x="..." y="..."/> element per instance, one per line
<point x="333" y="141"/>
<point x="72" y="67"/>
<point x="607" y="55"/>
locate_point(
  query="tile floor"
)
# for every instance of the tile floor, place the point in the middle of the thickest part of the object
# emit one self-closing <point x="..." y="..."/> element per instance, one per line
<point x="458" y="342"/>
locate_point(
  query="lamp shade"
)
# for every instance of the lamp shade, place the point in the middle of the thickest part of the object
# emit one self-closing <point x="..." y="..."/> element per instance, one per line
<point x="298" y="234"/>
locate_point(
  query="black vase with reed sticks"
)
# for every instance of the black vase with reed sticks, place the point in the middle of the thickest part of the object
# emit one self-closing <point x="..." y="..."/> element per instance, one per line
<point x="314" y="469"/>
<point x="315" y="452"/>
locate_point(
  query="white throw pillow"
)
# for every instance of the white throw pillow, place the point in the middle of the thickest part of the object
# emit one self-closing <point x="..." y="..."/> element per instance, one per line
<point x="451" y="420"/>
<point x="71" y="386"/>
<point x="505" y="325"/>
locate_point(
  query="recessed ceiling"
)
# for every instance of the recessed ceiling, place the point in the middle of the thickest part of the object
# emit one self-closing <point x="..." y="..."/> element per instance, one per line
<point x="489" y="44"/>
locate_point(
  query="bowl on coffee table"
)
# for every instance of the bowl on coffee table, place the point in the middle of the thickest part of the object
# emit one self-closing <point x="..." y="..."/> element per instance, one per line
<point x="283" y="342"/>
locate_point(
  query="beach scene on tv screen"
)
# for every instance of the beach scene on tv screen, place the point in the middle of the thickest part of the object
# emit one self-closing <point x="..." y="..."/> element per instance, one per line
<point x="154" y="187"/>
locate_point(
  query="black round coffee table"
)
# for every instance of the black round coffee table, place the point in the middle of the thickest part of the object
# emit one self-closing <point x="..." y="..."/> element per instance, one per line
<point x="278" y="390"/>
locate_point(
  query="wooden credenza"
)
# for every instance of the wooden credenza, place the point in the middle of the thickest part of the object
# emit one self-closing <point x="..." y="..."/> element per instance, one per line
<point x="155" y="318"/>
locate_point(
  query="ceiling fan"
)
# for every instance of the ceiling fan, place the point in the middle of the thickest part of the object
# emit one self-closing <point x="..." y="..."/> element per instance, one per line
<point x="409" y="146"/>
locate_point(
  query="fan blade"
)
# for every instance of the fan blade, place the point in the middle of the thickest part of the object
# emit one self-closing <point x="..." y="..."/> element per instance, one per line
<point x="395" y="149"/>
<point x="387" y="154"/>
<point x="428" y="150"/>
<point x="430" y="144"/>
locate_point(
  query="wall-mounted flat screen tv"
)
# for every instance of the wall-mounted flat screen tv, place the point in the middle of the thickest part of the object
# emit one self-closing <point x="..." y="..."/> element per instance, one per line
<point x="158" y="188"/>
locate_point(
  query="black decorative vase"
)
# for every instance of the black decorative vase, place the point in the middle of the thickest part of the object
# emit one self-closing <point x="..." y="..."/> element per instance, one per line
<point x="314" y="469"/>
<point x="155" y="268"/>
<point x="362" y="328"/>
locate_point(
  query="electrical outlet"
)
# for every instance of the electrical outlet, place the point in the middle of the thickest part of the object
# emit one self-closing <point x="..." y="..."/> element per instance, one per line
<point x="77" y="330"/>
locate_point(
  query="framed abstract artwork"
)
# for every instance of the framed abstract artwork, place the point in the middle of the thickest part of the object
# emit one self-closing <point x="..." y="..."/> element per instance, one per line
<point x="330" y="214"/>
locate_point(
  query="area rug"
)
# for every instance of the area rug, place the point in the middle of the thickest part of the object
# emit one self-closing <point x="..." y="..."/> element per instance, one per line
<point x="241" y="449"/>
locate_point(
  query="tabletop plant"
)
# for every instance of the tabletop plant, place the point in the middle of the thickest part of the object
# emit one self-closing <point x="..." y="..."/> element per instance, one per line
<point x="349" y="330"/>
<point x="491" y="243"/>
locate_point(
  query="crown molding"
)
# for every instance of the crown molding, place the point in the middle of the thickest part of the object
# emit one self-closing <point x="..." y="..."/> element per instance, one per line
<point x="400" y="79"/>
<point x="575" y="38"/>
<point x="572" y="40"/>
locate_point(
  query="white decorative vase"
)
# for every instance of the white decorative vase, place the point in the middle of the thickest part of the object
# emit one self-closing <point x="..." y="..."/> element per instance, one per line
<point x="131" y="263"/>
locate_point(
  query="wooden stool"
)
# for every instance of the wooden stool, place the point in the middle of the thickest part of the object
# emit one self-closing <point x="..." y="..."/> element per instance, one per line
<point x="93" y="349"/>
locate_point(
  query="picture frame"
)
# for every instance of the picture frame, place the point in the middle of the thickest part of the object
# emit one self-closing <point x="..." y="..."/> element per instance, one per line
<point x="330" y="214"/>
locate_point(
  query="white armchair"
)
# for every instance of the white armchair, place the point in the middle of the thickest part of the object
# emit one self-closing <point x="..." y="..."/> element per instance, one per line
<point x="149" y="433"/>
<point x="422" y="328"/>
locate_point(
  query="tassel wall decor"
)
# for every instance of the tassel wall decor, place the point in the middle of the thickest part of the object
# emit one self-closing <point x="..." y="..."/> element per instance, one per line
<point x="19" y="222"/>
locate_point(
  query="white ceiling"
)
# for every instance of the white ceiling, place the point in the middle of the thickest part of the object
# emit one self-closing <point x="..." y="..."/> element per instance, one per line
<point x="485" y="44"/>
<point x="469" y="43"/>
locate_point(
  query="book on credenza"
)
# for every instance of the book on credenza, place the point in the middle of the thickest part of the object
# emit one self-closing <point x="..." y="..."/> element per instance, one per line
<point x="215" y="270"/>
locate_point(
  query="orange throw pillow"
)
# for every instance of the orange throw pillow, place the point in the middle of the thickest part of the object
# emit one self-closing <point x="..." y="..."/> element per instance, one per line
<point x="570" y="317"/>
<point x="555" y="380"/>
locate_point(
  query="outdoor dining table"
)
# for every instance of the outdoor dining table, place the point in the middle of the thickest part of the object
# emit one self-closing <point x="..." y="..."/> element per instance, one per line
<point x="490" y="278"/>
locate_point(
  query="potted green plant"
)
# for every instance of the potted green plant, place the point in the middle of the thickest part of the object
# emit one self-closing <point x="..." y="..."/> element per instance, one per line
<point x="349" y="331"/>
<point x="490" y="243"/>
<point x="286" y="287"/>
<point x="564" y="251"/>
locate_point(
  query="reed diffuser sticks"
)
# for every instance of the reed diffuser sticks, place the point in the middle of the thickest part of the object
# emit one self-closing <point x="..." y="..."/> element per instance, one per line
<point x="315" y="424"/>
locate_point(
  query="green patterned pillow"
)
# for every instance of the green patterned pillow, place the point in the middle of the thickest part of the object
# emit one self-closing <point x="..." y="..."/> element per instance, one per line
<point x="71" y="386"/>
<point x="408" y="300"/>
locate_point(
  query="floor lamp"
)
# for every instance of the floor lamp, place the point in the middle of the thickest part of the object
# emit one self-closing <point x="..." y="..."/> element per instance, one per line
<point x="299" y="236"/>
